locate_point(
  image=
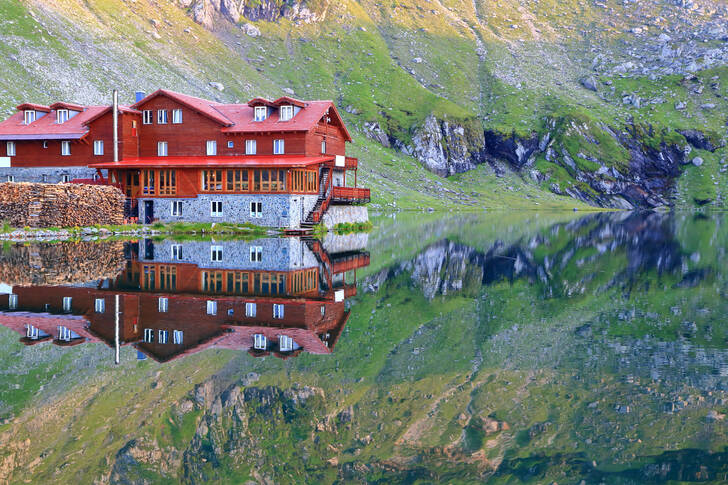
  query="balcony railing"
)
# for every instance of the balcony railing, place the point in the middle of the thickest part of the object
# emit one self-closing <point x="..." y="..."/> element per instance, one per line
<point x="350" y="195"/>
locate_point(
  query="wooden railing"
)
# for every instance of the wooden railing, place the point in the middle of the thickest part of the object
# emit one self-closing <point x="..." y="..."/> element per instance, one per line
<point x="351" y="163"/>
<point x="318" y="213"/>
<point x="350" y="262"/>
<point x="350" y="195"/>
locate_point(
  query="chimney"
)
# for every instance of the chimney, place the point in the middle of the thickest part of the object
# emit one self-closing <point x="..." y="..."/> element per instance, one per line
<point x="115" y="118"/>
<point x="138" y="96"/>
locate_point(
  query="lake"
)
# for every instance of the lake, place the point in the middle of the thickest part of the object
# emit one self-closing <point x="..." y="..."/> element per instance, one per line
<point x="522" y="347"/>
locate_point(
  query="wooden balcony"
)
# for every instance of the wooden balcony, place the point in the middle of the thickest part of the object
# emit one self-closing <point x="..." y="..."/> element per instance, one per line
<point x="350" y="195"/>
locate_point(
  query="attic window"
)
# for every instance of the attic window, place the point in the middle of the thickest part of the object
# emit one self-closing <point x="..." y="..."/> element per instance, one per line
<point x="261" y="113"/>
<point x="61" y="116"/>
<point x="286" y="112"/>
<point x="29" y="116"/>
<point x="285" y="343"/>
<point x="260" y="342"/>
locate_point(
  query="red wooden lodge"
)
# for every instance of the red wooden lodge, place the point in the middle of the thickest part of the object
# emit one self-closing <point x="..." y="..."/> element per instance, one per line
<point x="278" y="163"/>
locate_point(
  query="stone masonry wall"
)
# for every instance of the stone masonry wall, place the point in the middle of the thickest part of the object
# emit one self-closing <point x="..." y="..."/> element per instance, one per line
<point x="338" y="214"/>
<point x="60" y="205"/>
<point x="50" y="175"/>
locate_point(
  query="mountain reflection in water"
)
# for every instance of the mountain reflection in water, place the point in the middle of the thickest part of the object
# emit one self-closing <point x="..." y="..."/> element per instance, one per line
<point x="278" y="296"/>
<point x="477" y="348"/>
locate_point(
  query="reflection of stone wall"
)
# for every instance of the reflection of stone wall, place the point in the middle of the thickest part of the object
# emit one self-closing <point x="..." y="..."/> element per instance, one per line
<point x="60" y="205"/>
<point x="342" y="243"/>
<point x="61" y="263"/>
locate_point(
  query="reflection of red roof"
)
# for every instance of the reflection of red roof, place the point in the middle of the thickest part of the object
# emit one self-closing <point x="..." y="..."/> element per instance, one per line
<point x="241" y="337"/>
<point x="46" y="322"/>
<point x="223" y="161"/>
<point x="46" y="128"/>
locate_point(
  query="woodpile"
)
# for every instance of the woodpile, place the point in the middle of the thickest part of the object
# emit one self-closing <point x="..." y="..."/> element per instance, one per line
<point x="60" y="205"/>
<point x="61" y="263"/>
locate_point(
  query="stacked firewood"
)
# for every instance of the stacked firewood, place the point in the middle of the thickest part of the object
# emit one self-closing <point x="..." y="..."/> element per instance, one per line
<point x="60" y="205"/>
<point x="61" y="263"/>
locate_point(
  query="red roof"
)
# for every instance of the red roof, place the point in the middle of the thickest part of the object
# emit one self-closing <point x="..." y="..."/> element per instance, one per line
<point x="62" y="105"/>
<point x="222" y="161"/>
<point x="122" y="109"/>
<point x="37" y="107"/>
<point x="46" y="128"/>
<point x="202" y="106"/>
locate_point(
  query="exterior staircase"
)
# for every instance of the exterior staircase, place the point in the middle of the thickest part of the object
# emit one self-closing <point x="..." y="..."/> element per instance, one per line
<point x="322" y="203"/>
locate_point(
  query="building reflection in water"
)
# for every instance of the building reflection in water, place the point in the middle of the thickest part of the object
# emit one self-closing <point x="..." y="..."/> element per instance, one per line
<point x="274" y="296"/>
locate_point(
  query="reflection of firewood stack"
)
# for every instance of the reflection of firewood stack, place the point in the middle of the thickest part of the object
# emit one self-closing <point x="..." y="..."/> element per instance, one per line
<point x="66" y="263"/>
<point x="60" y="205"/>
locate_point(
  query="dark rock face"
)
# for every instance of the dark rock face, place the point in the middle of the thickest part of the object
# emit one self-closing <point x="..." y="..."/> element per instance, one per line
<point x="698" y="140"/>
<point x="446" y="148"/>
<point x="516" y="151"/>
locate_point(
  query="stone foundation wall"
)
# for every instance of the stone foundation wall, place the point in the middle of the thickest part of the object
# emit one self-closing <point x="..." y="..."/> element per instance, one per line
<point x="49" y="175"/>
<point x="60" y="205"/>
<point x="279" y="210"/>
<point x="338" y="214"/>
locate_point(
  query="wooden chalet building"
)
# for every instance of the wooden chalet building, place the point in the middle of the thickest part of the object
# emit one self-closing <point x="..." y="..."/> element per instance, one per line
<point x="171" y="303"/>
<point x="274" y="163"/>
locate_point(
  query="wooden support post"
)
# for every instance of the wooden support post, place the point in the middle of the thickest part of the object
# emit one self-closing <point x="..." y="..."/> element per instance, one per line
<point x="117" y="343"/>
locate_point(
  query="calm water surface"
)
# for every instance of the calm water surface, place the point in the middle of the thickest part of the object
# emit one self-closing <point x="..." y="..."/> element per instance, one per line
<point x="498" y="348"/>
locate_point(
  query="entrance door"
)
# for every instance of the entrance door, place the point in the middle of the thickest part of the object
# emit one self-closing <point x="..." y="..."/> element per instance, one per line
<point x="148" y="211"/>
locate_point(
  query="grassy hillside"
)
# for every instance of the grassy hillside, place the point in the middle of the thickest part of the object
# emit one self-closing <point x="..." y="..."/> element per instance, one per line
<point x="512" y="69"/>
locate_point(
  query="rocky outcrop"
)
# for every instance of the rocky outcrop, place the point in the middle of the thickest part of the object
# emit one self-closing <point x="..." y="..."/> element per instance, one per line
<point x="445" y="147"/>
<point x="209" y="12"/>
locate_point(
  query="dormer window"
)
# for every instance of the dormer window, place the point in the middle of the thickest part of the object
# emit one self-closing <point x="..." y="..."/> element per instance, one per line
<point x="260" y="342"/>
<point x="29" y="116"/>
<point x="261" y="113"/>
<point x="61" y="116"/>
<point x="286" y="112"/>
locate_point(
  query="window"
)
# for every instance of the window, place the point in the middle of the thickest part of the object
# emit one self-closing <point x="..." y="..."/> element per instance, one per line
<point x="98" y="147"/>
<point x="286" y="112"/>
<point x="162" y="149"/>
<point x="278" y="147"/>
<point x="45" y="144"/>
<point x="323" y="146"/>
<point x="163" y="336"/>
<point x="256" y="254"/>
<point x="231" y="144"/>
<point x="260" y="342"/>
<point x="99" y="305"/>
<point x="176" y="116"/>
<point x="61" y="116"/>
<point x="285" y="343"/>
<point x="66" y="334"/>
<point x="323" y="310"/>
<point x="163" y="304"/>
<point x="10" y="148"/>
<point x="250" y="310"/>
<point x="211" y="307"/>
<point x="176" y="251"/>
<point x="237" y="180"/>
<point x="148" y="336"/>
<point x="177" y="336"/>
<point x="11" y="178"/>
<point x="176" y="207"/>
<point x="212" y="180"/>
<point x="250" y="147"/>
<point x="216" y="253"/>
<point x="147" y="117"/>
<point x="277" y="310"/>
<point x="12" y="301"/>
<point x="65" y="148"/>
<point x="216" y="208"/>
<point x="261" y="113"/>
<point x="168" y="183"/>
<point x="256" y="210"/>
<point x="29" y="116"/>
<point x="211" y="147"/>
<point x="162" y="116"/>
<point x="65" y="178"/>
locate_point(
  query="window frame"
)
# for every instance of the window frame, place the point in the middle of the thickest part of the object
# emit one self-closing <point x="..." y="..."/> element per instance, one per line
<point x="176" y="251"/>
<point x="162" y="117"/>
<point x="279" y="311"/>
<point x="175" y="208"/>
<point x="289" y="343"/>
<point x="58" y="116"/>
<point x="163" y="304"/>
<point x="67" y="304"/>
<point x="248" y="145"/>
<point x="260" y="109"/>
<point x="100" y="305"/>
<point x="213" y="212"/>
<point x="211" y="148"/>
<point x="10" y="149"/>
<point x="160" y="145"/>
<point x="148" y="336"/>
<point x="12" y="301"/>
<point x="323" y="147"/>
<point x="97" y="144"/>
<point x="279" y="146"/>
<point x="288" y="109"/>
<point x="211" y="307"/>
<point x="178" y="337"/>
<point x="256" y="254"/>
<point x="29" y="113"/>
<point x="256" y="210"/>
<point x="11" y="178"/>
<point x="147" y="117"/>
<point x="163" y="336"/>
<point x="251" y="309"/>
<point x="260" y="341"/>
<point x="216" y="254"/>
<point x="175" y="119"/>
<point x="65" y="148"/>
